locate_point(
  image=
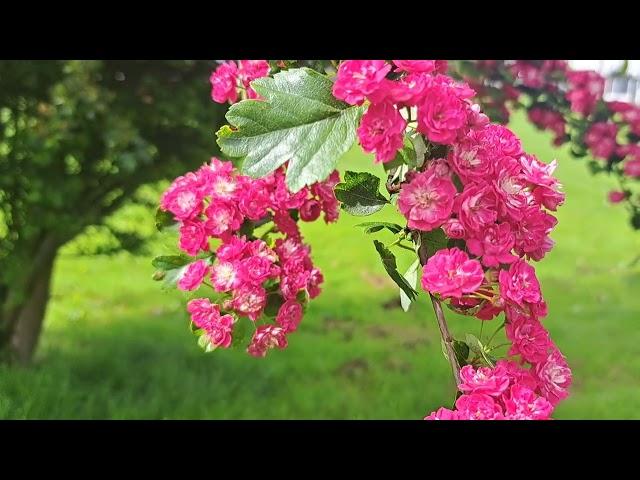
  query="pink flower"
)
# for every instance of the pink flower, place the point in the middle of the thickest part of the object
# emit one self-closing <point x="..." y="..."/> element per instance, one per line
<point x="616" y="196"/>
<point x="255" y="270"/>
<point x="518" y="374"/>
<point x="250" y="70"/>
<point x="484" y="380"/>
<point x="442" y="414"/>
<point x="427" y="200"/>
<point x="289" y="315"/>
<point x="442" y="115"/>
<point x="203" y="312"/>
<point x="310" y="210"/>
<point x="206" y="316"/>
<point x="358" y="78"/>
<point x="453" y="228"/>
<point x="422" y="66"/>
<point x="494" y="245"/>
<point x="224" y="83"/>
<point x="554" y="377"/>
<point x="530" y="339"/>
<point x="193" y="237"/>
<point x="324" y="192"/>
<point x="601" y="139"/>
<point x="531" y="232"/>
<point x="546" y="188"/>
<point x="523" y="404"/>
<point x="519" y="284"/>
<point x="219" y="333"/>
<point x="254" y="200"/>
<point x="632" y="168"/>
<point x="222" y="217"/>
<point x="265" y="338"/>
<point x="630" y="150"/>
<point x="232" y="249"/>
<point x="193" y="275"/>
<point x="381" y="131"/>
<point x="478" y="406"/>
<point x="477" y="207"/>
<point x="183" y="198"/>
<point x="512" y="189"/>
<point x="549" y="120"/>
<point x="451" y="273"/>
<point x="259" y="248"/>
<point x="249" y="300"/>
<point x="529" y="74"/>
<point x="224" y="276"/>
<point x="586" y="88"/>
<point x="472" y="158"/>
<point x="442" y="66"/>
<point x="286" y="224"/>
<point x="314" y="282"/>
<point x="407" y="90"/>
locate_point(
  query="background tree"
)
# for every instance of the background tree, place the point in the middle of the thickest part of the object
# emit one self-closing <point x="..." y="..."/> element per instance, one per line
<point x="77" y="139"/>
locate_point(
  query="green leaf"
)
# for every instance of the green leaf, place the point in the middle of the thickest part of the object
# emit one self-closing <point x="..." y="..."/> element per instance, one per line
<point x="242" y="330"/>
<point x="204" y="342"/>
<point x="407" y="154"/>
<point x="360" y="193"/>
<point x="411" y="276"/>
<point x="476" y="347"/>
<point x="460" y="348"/>
<point x="462" y="352"/>
<point x="372" y="227"/>
<point x="164" y="219"/>
<point x="170" y="262"/>
<point x="299" y="121"/>
<point x="274" y="302"/>
<point x="435" y="240"/>
<point x="390" y="265"/>
<point x="420" y="148"/>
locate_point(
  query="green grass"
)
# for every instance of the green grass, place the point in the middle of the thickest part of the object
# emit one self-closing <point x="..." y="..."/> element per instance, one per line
<point x="116" y="346"/>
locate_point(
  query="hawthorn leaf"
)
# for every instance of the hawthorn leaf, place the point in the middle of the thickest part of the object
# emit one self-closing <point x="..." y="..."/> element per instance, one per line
<point x="390" y="265"/>
<point x="297" y="120"/>
<point x="360" y="193"/>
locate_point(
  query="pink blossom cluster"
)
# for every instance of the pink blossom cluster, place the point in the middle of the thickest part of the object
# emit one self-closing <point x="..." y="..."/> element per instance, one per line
<point x="444" y="109"/>
<point x="231" y="77"/>
<point x="506" y="392"/>
<point x="490" y="196"/>
<point x="565" y="92"/>
<point x="215" y="205"/>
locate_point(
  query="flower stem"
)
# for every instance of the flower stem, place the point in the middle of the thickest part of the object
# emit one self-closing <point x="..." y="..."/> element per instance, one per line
<point x="495" y="333"/>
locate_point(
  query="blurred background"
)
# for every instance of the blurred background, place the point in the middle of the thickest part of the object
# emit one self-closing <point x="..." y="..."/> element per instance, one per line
<point x="86" y="149"/>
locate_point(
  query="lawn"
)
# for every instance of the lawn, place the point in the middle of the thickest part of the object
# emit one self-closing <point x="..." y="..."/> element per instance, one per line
<point x="116" y="346"/>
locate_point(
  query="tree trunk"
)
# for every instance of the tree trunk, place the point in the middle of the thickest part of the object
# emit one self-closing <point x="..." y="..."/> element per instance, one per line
<point x="31" y="317"/>
<point x="22" y="323"/>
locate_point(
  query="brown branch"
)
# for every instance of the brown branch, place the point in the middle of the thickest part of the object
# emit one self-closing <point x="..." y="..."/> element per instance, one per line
<point x="442" y="322"/>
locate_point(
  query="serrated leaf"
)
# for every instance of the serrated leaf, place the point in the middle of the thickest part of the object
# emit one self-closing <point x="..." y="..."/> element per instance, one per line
<point x="241" y="331"/>
<point x="170" y="262"/>
<point x="411" y="276"/>
<point x="360" y="193"/>
<point x="390" y="265"/>
<point x="164" y="219"/>
<point x="435" y="240"/>
<point x="372" y="227"/>
<point x="299" y="121"/>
